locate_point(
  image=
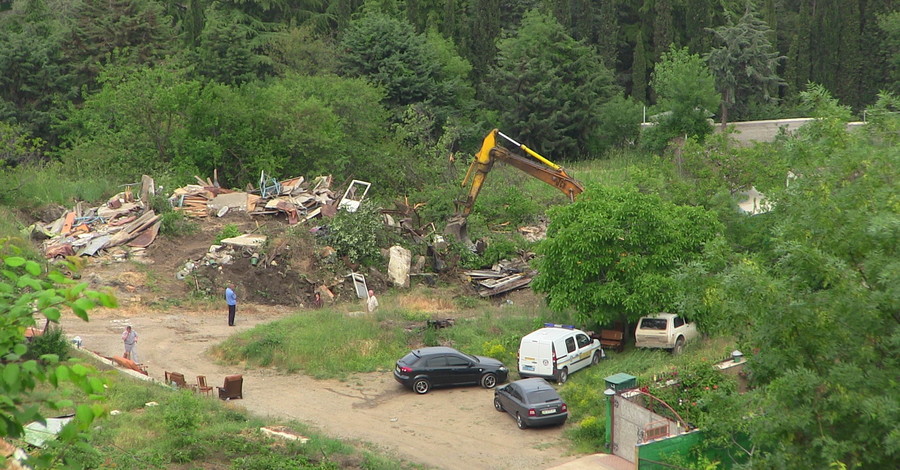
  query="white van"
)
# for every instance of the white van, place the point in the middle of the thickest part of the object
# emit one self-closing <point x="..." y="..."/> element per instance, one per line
<point x="555" y="351"/>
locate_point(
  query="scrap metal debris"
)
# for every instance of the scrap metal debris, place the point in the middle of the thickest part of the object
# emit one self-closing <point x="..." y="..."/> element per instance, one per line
<point x="503" y="277"/>
<point x="127" y="221"/>
<point x="123" y="220"/>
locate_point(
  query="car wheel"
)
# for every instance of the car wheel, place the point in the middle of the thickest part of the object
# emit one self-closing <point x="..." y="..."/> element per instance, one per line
<point x="596" y="359"/>
<point x="497" y="405"/>
<point x="520" y="422"/>
<point x="563" y="375"/>
<point x="679" y="345"/>
<point x="421" y="386"/>
<point x="489" y="380"/>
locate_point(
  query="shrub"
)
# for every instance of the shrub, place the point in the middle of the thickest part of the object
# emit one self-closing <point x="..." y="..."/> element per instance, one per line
<point x="355" y="234"/>
<point x="53" y="341"/>
<point x="228" y="231"/>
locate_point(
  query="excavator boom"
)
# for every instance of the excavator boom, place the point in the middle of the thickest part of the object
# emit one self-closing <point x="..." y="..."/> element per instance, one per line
<point x="542" y="169"/>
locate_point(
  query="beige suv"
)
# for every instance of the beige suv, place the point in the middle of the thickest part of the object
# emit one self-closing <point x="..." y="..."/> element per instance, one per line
<point x="664" y="330"/>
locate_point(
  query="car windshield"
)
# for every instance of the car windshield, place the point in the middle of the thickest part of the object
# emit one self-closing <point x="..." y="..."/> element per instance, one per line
<point x="542" y="396"/>
<point x="473" y="358"/>
<point x="653" y="324"/>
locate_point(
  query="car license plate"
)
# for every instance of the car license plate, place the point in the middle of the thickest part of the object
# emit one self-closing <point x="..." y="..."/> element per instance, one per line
<point x="527" y="367"/>
<point x="548" y="412"/>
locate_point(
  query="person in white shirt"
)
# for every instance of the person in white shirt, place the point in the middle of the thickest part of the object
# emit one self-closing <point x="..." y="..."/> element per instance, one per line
<point x="371" y="302"/>
<point x="129" y="337"/>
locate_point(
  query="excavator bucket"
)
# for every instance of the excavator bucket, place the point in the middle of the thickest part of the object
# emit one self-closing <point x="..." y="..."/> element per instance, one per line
<point x="458" y="229"/>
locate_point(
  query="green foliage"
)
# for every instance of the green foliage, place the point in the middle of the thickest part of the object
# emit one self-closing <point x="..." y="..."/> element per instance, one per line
<point x="686" y="98"/>
<point x="25" y="186"/>
<point x="53" y="341"/>
<point x="230" y="47"/>
<point x="36" y="78"/>
<point x="17" y="145"/>
<point x="126" y="32"/>
<point x="611" y="254"/>
<point x="355" y="234"/>
<point x="619" y="124"/>
<point x="228" y="231"/>
<point x="745" y="65"/>
<point x="26" y="290"/>
<point x="548" y="87"/>
<point x="411" y="67"/>
<point x="890" y="24"/>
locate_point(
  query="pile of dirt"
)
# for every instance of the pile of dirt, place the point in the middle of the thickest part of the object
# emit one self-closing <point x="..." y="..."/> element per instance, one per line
<point x="287" y="272"/>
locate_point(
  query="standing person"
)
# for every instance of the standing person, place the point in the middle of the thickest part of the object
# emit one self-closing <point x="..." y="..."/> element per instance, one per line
<point x="371" y="302"/>
<point x="129" y="337"/>
<point x="231" y="300"/>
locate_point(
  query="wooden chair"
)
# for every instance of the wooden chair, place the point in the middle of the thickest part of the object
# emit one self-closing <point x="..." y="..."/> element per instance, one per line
<point x="201" y="385"/>
<point x="233" y="388"/>
<point x="176" y="379"/>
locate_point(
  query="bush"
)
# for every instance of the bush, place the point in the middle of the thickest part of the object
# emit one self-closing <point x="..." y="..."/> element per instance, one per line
<point x="355" y="234"/>
<point x="53" y="341"/>
<point x="228" y="231"/>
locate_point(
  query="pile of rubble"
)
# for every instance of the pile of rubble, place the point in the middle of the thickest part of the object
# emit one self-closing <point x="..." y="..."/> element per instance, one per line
<point x="123" y="220"/>
<point x="503" y="277"/>
<point x="295" y="197"/>
<point x="127" y="220"/>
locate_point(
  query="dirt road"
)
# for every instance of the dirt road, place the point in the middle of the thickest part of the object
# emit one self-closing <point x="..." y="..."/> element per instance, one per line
<point x="447" y="429"/>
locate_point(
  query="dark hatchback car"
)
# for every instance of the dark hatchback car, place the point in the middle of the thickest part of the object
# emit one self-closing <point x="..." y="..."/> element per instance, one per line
<point x="533" y="402"/>
<point x="439" y="366"/>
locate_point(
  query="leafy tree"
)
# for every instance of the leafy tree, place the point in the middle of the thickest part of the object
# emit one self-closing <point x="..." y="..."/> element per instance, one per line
<point x="412" y="68"/>
<point x="548" y="87"/>
<point x="18" y="146"/>
<point x="126" y="32"/>
<point x="890" y="25"/>
<point x="639" y="69"/>
<point x="24" y="291"/>
<point x="35" y="78"/>
<point x="612" y="254"/>
<point x="130" y="126"/>
<point x="744" y="65"/>
<point x="686" y="94"/>
<point x="619" y="125"/>
<point x="230" y="47"/>
<point x="817" y="309"/>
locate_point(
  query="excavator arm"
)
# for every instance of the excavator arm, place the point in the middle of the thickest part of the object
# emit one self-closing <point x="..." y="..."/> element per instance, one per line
<point x="542" y="169"/>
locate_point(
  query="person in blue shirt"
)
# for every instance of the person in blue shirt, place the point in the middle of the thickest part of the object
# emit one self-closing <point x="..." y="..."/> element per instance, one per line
<point x="231" y="300"/>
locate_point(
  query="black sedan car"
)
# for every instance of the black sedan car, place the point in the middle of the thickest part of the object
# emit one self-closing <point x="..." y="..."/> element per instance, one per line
<point x="439" y="366"/>
<point x="533" y="402"/>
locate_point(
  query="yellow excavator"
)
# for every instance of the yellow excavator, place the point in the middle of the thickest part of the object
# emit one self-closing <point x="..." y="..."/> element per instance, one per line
<point x="540" y="168"/>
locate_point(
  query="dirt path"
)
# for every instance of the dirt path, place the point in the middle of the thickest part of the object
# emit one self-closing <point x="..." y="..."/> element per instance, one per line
<point x="449" y="428"/>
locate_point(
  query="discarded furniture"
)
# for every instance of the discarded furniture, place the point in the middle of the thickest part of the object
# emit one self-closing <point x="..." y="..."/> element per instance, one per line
<point x="232" y="389"/>
<point x="613" y="339"/>
<point x="176" y="379"/>
<point x="201" y="386"/>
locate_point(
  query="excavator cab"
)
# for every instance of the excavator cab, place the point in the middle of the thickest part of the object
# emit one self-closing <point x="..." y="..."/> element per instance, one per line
<point x="538" y="167"/>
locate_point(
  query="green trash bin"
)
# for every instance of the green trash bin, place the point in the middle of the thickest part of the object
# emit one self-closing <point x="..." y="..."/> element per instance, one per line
<point x="621" y="381"/>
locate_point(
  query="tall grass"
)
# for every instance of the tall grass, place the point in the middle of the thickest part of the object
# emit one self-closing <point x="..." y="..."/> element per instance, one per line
<point x="32" y="186"/>
<point x="329" y="344"/>
<point x="186" y="430"/>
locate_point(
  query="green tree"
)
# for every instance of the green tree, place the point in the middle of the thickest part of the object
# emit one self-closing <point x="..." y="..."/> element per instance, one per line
<point x="35" y="78"/>
<point x="548" y="87"/>
<point x="686" y="94"/>
<point x="18" y="146"/>
<point x="890" y="25"/>
<point x="412" y="68"/>
<point x="613" y="253"/>
<point x="126" y="32"/>
<point x="26" y="290"/>
<point x="230" y="47"/>
<point x="744" y="65"/>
